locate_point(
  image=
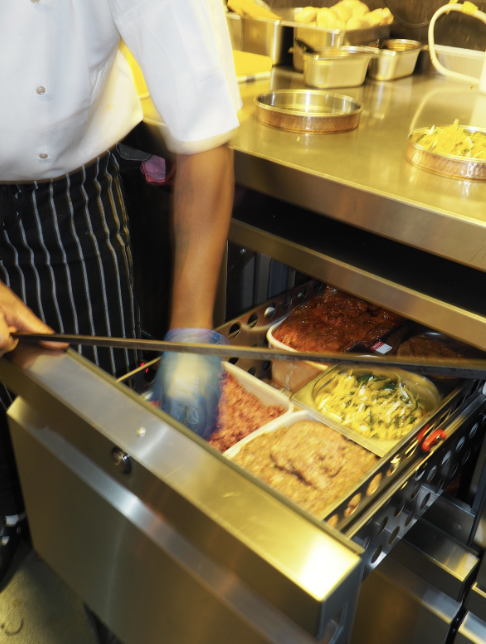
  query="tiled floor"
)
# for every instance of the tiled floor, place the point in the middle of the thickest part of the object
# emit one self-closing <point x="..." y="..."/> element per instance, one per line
<point x="36" y="607"/>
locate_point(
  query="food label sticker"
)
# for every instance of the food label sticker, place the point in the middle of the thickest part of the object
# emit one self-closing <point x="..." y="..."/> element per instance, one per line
<point x="381" y="347"/>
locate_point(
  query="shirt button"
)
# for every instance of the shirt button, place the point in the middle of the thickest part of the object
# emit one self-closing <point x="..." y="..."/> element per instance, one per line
<point x="43" y="155"/>
<point x="41" y="90"/>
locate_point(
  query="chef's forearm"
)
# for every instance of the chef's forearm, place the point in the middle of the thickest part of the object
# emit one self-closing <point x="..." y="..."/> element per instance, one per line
<point x="203" y="199"/>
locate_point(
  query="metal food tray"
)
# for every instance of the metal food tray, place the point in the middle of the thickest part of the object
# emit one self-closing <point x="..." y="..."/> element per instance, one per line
<point x="380" y="509"/>
<point x="337" y="66"/>
<point x="422" y="387"/>
<point x="311" y="111"/>
<point x="292" y="376"/>
<point x="319" y="38"/>
<point x="448" y="165"/>
<point x="287" y="421"/>
<point x="396" y="59"/>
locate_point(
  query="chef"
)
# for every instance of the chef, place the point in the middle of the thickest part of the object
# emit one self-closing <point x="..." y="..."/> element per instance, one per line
<point x="67" y="98"/>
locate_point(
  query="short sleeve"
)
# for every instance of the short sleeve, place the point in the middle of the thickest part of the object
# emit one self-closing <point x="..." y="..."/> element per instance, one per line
<point x="184" y="51"/>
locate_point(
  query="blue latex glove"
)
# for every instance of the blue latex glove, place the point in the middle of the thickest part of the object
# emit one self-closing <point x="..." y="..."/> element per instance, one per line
<point x="187" y="385"/>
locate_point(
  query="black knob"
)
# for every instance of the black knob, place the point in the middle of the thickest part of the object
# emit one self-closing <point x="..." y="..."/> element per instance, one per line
<point x="121" y="460"/>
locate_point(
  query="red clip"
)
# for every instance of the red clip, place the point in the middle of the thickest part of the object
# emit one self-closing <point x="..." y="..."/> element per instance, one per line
<point x="432" y="439"/>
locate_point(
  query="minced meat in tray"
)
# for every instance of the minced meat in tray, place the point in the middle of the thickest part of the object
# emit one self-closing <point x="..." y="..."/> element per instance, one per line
<point x="308" y="462"/>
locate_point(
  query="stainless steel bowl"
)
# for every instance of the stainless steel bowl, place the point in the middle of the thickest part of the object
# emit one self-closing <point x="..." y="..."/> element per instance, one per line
<point x="300" y="110"/>
<point x="337" y="67"/>
<point x="396" y="59"/>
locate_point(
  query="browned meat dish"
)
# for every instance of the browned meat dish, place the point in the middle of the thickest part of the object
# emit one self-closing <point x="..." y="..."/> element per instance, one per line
<point x="310" y="463"/>
<point x="422" y="346"/>
<point x="335" y="322"/>
<point x="239" y="414"/>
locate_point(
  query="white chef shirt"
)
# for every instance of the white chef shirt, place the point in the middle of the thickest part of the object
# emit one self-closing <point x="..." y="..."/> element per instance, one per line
<point x="68" y="94"/>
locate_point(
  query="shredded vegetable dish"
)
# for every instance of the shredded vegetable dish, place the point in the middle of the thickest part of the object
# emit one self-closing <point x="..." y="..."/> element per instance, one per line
<point x="375" y="406"/>
<point x="452" y="140"/>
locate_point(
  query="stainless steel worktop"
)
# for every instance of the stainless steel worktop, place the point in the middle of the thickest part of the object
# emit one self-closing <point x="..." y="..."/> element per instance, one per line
<point x="362" y="177"/>
<point x="348" y="209"/>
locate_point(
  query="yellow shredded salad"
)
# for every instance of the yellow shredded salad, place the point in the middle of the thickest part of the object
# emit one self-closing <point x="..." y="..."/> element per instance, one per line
<point x="375" y="406"/>
<point x="453" y="140"/>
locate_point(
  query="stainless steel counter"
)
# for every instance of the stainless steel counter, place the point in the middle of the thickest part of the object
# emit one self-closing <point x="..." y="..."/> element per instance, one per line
<point x="362" y="177"/>
<point x="348" y="209"/>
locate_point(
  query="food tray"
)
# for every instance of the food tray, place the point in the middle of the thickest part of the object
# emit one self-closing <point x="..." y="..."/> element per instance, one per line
<point x="292" y="376"/>
<point x="282" y="421"/>
<point x="266" y="394"/>
<point x="396" y="59"/>
<point x="301" y="110"/>
<point x="467" y="352"/>
<point x="448" y="165"/>
<point x="319" y="38"/>
<point x="289" y="420"/>
<point x="423" y="388"/>
<point x="261" y="36"/>
<point x="337" y="66"/>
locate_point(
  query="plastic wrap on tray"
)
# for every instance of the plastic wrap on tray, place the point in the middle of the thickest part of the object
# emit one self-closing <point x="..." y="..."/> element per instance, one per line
<point x="304" y="459"/>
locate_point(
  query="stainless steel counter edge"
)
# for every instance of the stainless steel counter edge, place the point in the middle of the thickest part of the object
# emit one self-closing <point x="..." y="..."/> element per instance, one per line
<point x="94" y="413"/>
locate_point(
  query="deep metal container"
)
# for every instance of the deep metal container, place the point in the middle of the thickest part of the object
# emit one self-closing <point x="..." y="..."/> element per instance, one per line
<point x="337" y="67"/>
<point x="319" y="38"/>
<point x="396" y="59"/>
<point x="261" y="36"/>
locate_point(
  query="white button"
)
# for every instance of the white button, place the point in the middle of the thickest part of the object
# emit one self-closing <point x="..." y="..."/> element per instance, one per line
<point x="43" y="155"/>
<point x="41" y="90"/>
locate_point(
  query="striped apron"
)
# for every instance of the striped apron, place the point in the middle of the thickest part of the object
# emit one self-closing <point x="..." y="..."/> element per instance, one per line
<point x="64" y="250"/>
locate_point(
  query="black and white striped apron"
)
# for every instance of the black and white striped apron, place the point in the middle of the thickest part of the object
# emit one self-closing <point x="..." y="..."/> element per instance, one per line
<point x="64" y="250"/>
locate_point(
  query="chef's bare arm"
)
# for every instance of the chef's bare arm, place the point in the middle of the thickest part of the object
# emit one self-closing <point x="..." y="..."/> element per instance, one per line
<point x="16" y="316"/>
<point x="203" y="200"/>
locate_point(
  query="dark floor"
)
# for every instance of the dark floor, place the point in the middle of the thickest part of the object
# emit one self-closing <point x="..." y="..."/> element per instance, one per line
<point x="36" y="607"/>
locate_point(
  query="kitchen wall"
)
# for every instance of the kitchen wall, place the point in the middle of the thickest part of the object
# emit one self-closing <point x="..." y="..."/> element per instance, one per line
<point x="453" y="29"/>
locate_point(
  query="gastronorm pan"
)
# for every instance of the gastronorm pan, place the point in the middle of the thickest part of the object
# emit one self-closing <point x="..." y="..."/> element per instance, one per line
<point x="300" y="110"/>
<point x="320" y="38"/>
<point x="311" y="395"/>
<point x="448" y="165"/>
<point x="337" y="66"/>
<point x="297" y="416"/>
<point x="396" y="59"/>
<point x="261" y="36"/>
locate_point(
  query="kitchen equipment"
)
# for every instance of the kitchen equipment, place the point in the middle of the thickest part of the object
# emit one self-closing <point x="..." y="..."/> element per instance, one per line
<point x="396" y="58"/>
<point x="337" y="66"/>
<point x="287" y="421"/>
<point x="312" y="395"/>
<point x="308" y="111"/>
<point x="449" y="165"/>
<point x="162" y="510"/>
<point x="319" y="38"/>
<point x="470" y="369"/>
<point x="471" y="10"/>
<point x="262" y="36"/>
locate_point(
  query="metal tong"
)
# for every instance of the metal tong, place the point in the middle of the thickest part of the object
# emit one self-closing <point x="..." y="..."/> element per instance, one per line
<point x="461" y="369"/>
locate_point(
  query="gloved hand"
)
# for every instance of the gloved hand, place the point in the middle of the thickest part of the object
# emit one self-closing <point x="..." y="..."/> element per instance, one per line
<point x="187" y="385"/>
